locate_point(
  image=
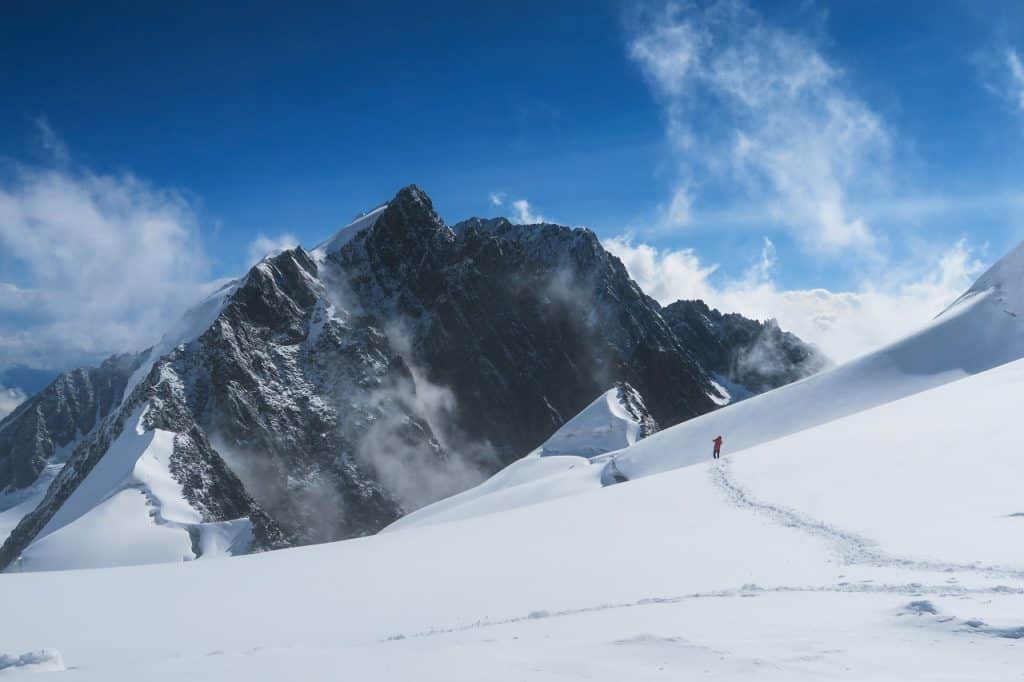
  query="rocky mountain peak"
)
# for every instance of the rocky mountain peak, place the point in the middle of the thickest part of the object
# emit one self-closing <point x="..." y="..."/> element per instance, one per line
<point x="329" y="392"/>
<point x="751" y="355"/>
<point x="411" y="214"/>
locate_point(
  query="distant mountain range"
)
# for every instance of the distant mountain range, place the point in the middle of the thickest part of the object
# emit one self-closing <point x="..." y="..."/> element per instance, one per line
<point x="328" y="392"/>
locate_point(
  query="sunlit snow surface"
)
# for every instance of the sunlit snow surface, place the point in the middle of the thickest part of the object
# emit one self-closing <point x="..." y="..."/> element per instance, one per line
<point x="603" y="426"/>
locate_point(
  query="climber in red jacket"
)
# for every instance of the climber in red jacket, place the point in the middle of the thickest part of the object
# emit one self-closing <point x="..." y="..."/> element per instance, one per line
<point x="718" y="447"/>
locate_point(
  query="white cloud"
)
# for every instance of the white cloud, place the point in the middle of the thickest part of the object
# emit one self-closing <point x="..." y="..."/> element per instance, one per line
<point x="97" y="263"/>
<point x="1002" y="74"/>
<point x="843" y="323"/>
<point x="10" y="398"/>
<point x="1016" y="81"/>
<point x="680" y="208"/>
<point x="50" y="141"/>
<point x="777" y="126"/>
<point x="665" y="275"/>
<point x="497" y="198"/>
<point x="524" y="213"/>
<point x="264" y="246"/>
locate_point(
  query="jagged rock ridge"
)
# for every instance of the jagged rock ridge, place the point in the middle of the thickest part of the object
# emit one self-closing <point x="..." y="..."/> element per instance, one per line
<point x="57" y="416"/>
<point x="759" y="356"/>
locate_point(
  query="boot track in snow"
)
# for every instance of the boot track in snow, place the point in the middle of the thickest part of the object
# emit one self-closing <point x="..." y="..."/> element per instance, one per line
<point x="852" y="548"/>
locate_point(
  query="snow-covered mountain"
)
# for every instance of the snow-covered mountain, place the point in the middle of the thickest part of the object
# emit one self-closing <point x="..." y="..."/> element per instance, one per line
<point x="326" y="393"/>
<point x="40" y="435"/>
<point x="880" y="545"/>
<point x="863" y="525"/>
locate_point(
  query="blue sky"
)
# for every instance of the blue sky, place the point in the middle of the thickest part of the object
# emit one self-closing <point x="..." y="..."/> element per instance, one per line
<point x="847" y="167"/>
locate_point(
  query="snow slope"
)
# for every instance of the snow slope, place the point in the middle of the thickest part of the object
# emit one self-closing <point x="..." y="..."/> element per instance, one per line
<point x="14" y="505"/>
<point x="129" y="510"/>
<point x="603" y="426"/>
<point x="345" y="234"/>
<point x="881" y="546"/>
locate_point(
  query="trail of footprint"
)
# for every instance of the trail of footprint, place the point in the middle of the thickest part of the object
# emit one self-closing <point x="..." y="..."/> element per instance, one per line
<point x="911" y="589"/>
<point x="852" y="548"/>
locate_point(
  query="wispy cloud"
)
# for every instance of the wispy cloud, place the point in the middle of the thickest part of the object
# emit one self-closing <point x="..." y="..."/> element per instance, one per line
<point x="1001" y="71"/>
<point x="906" y="211"/>
<point x="524" y="213"/>
<point x="50" y="141"/>
<point x="99" y="262"/>
<point x="1016" y="80"/>
<point x="844" y="323"/>
<point x="10" y="398"/>
<point x="264" y="246"/>
<point x="497" y="198"/>
<point x="753" y="107"/>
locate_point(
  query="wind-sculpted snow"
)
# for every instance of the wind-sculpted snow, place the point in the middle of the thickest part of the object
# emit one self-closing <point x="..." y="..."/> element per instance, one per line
<point x="345" y="235"/>
<point x="615" y="420"/>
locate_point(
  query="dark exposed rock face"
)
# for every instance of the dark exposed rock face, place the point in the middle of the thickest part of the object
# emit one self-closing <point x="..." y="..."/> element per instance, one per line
<point x="757" y="355"/>
<point x="525" y="324"/>
<point x="330" y="392"/>
<point x="287" y="388"/>
<point x="631" y="399"/>
<point x="58" y="415"/>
